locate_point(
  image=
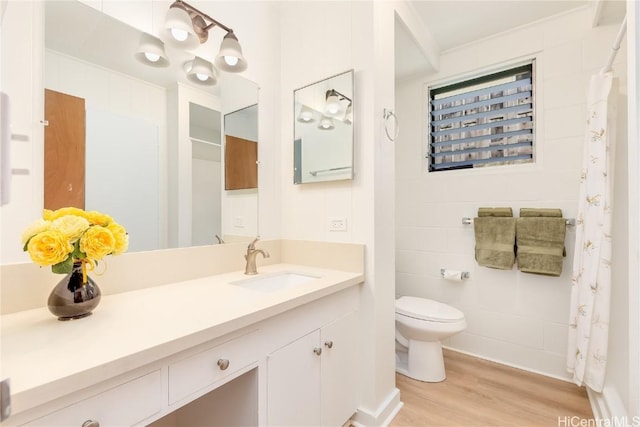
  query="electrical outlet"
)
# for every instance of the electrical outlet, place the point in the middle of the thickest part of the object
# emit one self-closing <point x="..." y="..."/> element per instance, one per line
<point x="238" y="222"/>
<point x="338" y="223"/>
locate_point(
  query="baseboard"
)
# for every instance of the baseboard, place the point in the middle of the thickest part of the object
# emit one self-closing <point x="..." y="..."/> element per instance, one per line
<point x="382" y="416"/>
<point x="512" y="365"/>
<point x="608" y="406"/>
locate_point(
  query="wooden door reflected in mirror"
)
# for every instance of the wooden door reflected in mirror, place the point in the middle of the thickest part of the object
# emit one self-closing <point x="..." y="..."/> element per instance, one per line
<point x="64" y="152"/>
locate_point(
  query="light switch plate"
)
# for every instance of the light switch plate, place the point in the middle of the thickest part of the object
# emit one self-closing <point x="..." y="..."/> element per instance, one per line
<point x="337" y="223"/>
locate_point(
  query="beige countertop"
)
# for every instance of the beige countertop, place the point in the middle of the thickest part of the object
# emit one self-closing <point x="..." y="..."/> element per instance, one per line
<point x="46" y="358"/>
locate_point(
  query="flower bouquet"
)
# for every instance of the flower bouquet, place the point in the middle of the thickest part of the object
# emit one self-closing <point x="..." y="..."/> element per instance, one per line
<point x="72" y="241"/>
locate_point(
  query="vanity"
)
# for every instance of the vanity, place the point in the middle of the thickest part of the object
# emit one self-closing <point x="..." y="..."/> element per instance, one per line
<point x="277" y="348"/>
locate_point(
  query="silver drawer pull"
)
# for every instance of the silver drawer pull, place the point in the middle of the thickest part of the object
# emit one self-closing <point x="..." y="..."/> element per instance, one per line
<point x="329" y="344"/>
<point x="317" y="351"/>
<point x="90" y="423"/>
<point x="222" y="363"/>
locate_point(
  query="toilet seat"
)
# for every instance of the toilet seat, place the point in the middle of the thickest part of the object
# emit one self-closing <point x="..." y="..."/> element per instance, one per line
<point x="426" y="309"/>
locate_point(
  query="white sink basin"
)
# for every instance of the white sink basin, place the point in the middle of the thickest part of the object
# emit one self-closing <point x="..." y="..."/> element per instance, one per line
<point x="274" y="282"/>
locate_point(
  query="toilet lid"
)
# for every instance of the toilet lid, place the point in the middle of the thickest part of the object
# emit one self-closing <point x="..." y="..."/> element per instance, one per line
<point x="426" y="309"/>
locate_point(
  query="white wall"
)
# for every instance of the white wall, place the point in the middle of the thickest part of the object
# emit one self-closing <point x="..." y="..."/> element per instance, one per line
<point x="633" y="67"/>
<point x="515" y="318"/>
<point x="20" y="79"/>
<point x="361" y="38"/>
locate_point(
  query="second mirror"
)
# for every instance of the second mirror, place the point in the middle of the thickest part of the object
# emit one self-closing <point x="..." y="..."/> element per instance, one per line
<point x="323" y="130"/>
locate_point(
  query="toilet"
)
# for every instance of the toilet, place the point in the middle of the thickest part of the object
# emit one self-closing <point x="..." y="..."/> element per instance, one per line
<point x="421" y="325"/>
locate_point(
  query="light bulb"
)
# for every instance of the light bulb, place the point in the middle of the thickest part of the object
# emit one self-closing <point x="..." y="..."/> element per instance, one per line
<point x="306" y="116"/>
<point x="152" y="57"/>
<point x="231" y="60"/>
<point x="202" y="77"/>
<point x="178" y="34"/>
<point x="333" y="109"/>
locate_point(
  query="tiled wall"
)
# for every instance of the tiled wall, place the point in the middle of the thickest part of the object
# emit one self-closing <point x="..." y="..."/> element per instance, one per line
<point x="515" y="318"/>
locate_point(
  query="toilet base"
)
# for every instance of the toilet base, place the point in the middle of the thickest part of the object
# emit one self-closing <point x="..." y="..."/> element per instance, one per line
<point x="423" y="361"/>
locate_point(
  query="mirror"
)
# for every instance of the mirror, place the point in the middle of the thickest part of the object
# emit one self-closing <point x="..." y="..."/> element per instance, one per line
<point x="241" y="149"/>
<point x="323" y="130"/>
<point x="182" y="196"/>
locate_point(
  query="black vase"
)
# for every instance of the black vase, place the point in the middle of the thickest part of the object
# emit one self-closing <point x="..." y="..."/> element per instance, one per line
<point x="72" y="299"/>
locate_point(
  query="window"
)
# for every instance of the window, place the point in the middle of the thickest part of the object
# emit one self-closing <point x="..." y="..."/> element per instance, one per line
<point x="485" y="121"/>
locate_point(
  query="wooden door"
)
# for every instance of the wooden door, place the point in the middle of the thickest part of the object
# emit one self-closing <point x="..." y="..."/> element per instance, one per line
<point x="64" y="151"/>
<point x="240" y="167"/>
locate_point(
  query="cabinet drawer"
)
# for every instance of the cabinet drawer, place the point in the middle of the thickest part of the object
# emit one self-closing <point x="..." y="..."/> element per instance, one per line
<point x="203" y="369"/>
<point x="124" y="405"/>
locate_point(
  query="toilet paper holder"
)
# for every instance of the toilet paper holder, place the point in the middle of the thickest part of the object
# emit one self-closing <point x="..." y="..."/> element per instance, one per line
<point x="463" y="274"/>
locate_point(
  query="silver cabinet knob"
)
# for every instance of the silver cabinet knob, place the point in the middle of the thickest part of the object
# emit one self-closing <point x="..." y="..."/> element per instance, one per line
<point x="328" y="344"/>
<point x="90" y="423"/>
<point x="317" y="351"/>
<point x="222" y="363"/>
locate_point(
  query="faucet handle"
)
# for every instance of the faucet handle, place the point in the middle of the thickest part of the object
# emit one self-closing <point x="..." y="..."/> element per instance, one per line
<point x="252" y="245"/>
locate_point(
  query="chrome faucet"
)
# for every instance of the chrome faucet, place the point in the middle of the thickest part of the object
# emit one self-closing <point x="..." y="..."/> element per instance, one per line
<point x="252" y="252"/>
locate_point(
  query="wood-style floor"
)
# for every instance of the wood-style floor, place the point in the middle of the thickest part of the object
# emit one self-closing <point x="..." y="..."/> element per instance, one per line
<point x="479" y="393"/>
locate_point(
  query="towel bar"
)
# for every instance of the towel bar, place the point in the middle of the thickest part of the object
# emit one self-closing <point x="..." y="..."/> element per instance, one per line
<point x="469" y="221"/>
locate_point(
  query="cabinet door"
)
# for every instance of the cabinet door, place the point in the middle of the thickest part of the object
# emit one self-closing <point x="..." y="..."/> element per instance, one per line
<point x="339" y="378"/>
<point x="293" y="383"/>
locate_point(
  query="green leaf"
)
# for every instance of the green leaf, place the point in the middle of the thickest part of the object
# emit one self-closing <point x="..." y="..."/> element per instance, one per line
<point x="77" y="253"/>
<point x="64" y="267"/>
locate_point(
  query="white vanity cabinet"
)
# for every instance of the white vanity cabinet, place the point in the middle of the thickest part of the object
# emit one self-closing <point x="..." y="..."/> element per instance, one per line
<point x="232" y="357"/>
<point x="311" y="381"/>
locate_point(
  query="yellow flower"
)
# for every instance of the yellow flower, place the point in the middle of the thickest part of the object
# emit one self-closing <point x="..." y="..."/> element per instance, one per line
<point x="71" y="226"/>
<point x="53" y="215"/>
<point x="98" y="218"/>
<point x="97" y="242"/>
<point x="36" y="227"/>
<point x="49" y="247"/>
<point x="70" y="234"/>
<point x="121" y="236"/>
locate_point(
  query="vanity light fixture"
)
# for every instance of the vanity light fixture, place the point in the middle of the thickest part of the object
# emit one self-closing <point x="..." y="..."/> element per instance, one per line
<point x="333" y="105"/>
<point x="306" y="115"/>
<point x="151" y="51"/>
<point x="187" y="27"/>
<point x="326" y="123"/>
<point x="230" y="55"/>
<point x="200" y="71"/>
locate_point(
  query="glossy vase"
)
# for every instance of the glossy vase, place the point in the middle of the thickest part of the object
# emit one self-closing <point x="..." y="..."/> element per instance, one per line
<point x="73" y="299"/>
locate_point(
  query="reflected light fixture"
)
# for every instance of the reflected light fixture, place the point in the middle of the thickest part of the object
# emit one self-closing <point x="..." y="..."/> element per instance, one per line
<point x="187" y="27"/>
<point x="151" y="51"/>
<point x="348" y="114"/>
<point x="333" y="106"/>
<point x="200" y="71"/>
<point x="306" y="115"/>
<point x="326" y="123"/>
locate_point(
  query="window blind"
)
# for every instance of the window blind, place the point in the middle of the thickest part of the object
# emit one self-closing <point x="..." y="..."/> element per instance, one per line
<point x="482" y="122"/>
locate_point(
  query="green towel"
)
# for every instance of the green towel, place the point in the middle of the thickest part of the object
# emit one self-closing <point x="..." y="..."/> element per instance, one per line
<point x="540" y="242"/>
<point x="501" y="212"/>
<point x="543" y="212"/>
<point x="495" y="237"/>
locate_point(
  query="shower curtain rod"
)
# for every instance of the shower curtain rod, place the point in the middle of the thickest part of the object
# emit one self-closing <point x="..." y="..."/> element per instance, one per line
<point x="616" y="45"/>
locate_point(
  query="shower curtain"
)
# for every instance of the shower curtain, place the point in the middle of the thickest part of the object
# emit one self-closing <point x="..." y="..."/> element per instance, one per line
<point x="591" y="280"/>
